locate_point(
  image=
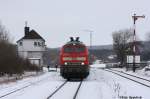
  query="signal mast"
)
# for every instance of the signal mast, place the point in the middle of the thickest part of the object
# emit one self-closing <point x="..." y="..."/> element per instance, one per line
<point x="135" y="17"/>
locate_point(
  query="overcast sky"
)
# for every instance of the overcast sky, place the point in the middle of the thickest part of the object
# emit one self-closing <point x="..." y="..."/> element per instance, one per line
<point x="57" y="20"/>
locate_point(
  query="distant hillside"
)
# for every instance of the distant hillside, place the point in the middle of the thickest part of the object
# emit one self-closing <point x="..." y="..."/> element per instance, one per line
<point x="101" y="52"/>
<point x="100" y="47"/>
<point x="96" y="47"/>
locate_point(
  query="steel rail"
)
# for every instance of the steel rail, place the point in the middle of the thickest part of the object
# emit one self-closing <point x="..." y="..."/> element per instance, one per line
<point x="11" y="92"/>
<point x="131" y="75"/>
<point x="75" y="95"/>
<point x="14" y="91"/>
<point x="128" y="78"/>
<point x="57" y="90"/>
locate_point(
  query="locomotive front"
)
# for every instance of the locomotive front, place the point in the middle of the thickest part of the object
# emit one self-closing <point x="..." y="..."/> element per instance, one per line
<point x="74" y="60"/>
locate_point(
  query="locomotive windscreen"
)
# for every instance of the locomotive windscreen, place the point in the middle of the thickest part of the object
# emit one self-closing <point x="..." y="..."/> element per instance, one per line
<point x="72" y="49"/>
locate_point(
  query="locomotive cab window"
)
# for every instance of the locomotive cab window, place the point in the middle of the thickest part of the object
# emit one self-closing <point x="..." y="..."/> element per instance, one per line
<point x="71" y="49"/>
<point x="79" y="49"/>
<point x="68" y="49"/>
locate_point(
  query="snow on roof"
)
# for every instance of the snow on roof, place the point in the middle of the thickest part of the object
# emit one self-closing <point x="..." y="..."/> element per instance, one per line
<point x="32" y="35"/>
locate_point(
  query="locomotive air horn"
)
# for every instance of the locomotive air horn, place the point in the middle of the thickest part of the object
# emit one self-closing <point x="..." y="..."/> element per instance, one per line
<point x="71" y="38"/>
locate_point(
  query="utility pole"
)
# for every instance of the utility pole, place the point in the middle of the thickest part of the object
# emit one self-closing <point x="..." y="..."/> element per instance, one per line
<point x="90" y="49"/>
<point x="90" y="31"/>
<point x="135" y="17"/>
<point x="91" y="39"/>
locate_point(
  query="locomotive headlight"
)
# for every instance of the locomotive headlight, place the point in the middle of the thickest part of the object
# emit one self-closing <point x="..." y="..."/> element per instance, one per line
<point x="65" y="63"/>
<point x="82" y="63"/>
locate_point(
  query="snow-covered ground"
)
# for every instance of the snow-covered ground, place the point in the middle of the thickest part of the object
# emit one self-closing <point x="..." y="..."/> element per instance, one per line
<point x="99" y="84"/>
<point x="8" y="78"/>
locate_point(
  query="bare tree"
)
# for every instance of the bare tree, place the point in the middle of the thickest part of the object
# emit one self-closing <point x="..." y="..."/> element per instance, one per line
<point x="146" y="47"/>
<point x="121" y="41"/>
<point x="148" y="36"/>
<point x="10" y="62"/>
<point x="3" y="33"/>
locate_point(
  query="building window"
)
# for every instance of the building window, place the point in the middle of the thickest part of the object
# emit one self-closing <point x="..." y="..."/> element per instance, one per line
<point x="35" y="43"/>
<point x="39" y="44"/>
<point x="42" y="44"/>
<point x="20" y="43"/>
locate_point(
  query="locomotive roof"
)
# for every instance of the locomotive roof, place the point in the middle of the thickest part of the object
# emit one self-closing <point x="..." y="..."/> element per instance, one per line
<point x="74" y="42"/>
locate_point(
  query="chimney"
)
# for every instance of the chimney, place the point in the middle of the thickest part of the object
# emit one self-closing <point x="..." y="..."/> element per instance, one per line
<point x="26" y="29"/>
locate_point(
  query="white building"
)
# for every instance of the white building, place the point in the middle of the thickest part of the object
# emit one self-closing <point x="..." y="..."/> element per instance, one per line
<point x="31" y="46"/>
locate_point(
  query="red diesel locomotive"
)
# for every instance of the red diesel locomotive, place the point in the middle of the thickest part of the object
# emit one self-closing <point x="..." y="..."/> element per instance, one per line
<point x="74" y="61"/>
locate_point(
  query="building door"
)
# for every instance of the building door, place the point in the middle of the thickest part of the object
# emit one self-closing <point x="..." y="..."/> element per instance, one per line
<point x="35" y="61"/>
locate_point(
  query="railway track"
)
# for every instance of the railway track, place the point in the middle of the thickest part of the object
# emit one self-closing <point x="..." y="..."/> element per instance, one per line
<point x="21" y="88"/>
<point x="133" y="78"/>
<point x="132" y="75"/>
<point x="14" y="91"/>
<point x="61" y="87"/>
<point x="77" y="90"/>
<point x="56" y="90"/>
